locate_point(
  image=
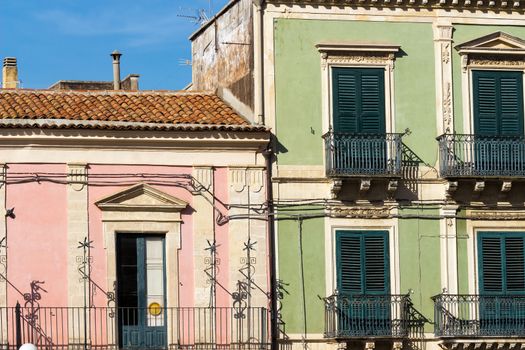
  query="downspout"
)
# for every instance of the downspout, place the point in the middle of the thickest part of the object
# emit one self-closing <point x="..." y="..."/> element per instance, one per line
<point x="270" y="216"/>
<point x="258" y="83"/>
<point x="258" y="59"/>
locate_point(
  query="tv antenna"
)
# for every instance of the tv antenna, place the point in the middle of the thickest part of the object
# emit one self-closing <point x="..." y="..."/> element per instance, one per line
<point x="200" y="16"/>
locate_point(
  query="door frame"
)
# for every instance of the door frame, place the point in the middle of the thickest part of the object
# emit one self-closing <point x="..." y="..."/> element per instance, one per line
<point x="142" y="308"/>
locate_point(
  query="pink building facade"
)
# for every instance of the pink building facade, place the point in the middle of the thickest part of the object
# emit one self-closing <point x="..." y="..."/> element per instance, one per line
<point x="133" y="220"/>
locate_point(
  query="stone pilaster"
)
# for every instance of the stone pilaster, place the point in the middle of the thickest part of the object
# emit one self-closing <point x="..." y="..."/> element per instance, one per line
<point x="448" y="248"/>
<point x="258" y="233"/>
<point x="203" y="225"/>
<point x="443" y="60"/>
<point x="77" y="231"/>
<point x="247" y="188"/>
<point x="238" y="228"/>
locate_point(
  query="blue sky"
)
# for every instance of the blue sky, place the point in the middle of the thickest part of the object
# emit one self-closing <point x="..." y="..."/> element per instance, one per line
<point x="72" y="39"/>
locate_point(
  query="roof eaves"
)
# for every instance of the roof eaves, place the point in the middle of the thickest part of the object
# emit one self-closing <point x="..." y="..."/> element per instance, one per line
<point x="120" y="125"/>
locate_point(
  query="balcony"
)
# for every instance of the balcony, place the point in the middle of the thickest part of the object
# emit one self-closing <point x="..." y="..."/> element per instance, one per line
<point x="107" y="328"/>
<point x="353" y="155"/>
<point x="481" y="156"/>
<point x="367" y="316"/>
<point x="479" y="316"/>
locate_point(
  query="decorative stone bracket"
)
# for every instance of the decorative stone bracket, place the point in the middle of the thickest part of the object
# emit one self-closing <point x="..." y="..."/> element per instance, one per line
<point x="77" y="175"/>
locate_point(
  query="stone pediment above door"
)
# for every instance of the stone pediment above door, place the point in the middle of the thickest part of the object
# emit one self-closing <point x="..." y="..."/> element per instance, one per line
<point x="141" y="197"/>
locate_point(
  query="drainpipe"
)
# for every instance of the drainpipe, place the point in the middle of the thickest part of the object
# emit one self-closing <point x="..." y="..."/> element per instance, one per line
<point x="258" y="69"/>
<point x="274" y="330"/>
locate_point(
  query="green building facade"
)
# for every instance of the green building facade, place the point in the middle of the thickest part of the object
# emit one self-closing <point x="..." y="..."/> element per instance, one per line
<point x="398" y="170"/>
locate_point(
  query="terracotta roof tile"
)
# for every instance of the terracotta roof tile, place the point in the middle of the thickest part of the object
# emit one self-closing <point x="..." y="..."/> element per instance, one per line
<point x="152" y="107"/>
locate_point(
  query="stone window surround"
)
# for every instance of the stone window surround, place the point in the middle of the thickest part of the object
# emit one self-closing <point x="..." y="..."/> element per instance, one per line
<point x="357" y="55"/>
<point x="480" y="225"/>
<point x="476" y="57"/>
<point x="361" y="220"/>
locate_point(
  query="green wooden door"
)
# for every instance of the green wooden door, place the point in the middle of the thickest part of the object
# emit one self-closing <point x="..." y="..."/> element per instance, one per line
<point x="501" y="280"/>
<point x="498" y="112"/>
<point x="141" y="287"/>
<point x="363" y="282"/>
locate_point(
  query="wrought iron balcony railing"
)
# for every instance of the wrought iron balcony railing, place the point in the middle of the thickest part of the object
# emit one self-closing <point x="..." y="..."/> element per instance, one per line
<point x="357" y="316"/>
<point x="363" y="154"/>
<point x="109" y="328"/>
<point x="481" y="156"/>
<point x="479" y="315"/>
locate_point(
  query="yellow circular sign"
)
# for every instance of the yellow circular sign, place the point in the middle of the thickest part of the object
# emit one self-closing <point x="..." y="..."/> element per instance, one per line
<point x="155" y="309"/>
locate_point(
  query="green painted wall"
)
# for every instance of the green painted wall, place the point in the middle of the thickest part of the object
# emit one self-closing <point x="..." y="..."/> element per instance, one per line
<point x="419" y="263"/>
<point x="298" y="83"/>
<point x="461" y="233"/>
<point x="419" y="259"/>
<point x="314" y="273"/>
<point x="464" y="33"/>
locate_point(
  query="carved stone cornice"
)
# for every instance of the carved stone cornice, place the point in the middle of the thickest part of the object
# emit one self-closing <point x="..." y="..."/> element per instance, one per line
<point x="357" y="54"/>
<point x="496" y="215"/>
<point x="496" y="61"/>
<point x="470" y="5"/>
<point x="360" y="213"/>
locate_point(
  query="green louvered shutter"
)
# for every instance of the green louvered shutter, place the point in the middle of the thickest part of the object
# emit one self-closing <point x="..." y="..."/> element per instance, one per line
<point x="498" y="103"/>
<point x="491" y="265"/>
<point x="350" y="269"/>
<point x="358" y="100"/>
<point x="502" y="262"/>
<point x="376" y="263"/>
<point x="511" y="102"/>
<point x="514" y="264"/>
<point x="362" y="262"/>
<point x="345" y="100"/>
<point x="502" y="276"/>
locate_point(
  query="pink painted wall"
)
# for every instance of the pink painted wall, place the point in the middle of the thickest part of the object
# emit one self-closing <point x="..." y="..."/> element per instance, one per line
<point x="37" y="237"/>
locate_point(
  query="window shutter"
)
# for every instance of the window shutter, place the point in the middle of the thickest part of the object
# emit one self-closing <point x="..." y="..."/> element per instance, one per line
<point x="498" y="103"/>
<point x="376" y="264"/>
<point x="358" y="100"/>
<point x="515" y="264"/>
<point x="372" y="118"/>
<point x="362" y="262"/>
<point x="491" y="263"/>
<point x="511" y="96"/>
<point x="349" y="264"/>
<point x="345" y="100"/>
<point x="485" y="104"/>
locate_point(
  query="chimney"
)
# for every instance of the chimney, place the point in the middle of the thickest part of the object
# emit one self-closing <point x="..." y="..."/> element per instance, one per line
<point x="10" y="73"/>
<point x="134" y="82"/>
<point x="116" y="69"/>
<point x="130" y="83"/>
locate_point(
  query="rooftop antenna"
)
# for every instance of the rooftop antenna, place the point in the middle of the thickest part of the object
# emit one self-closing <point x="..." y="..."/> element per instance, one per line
<point x="200" y="17"/>
<point x="184" y="62"/>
